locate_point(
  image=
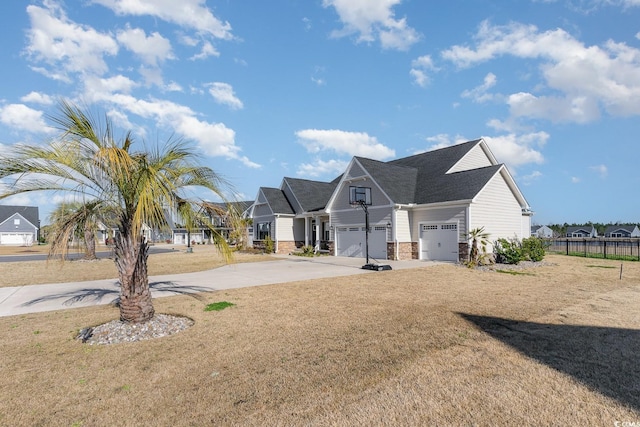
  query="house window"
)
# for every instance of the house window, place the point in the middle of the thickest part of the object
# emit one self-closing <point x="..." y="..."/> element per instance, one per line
<point x="616" y="235"/>
<point x="360" y="194"/>
<point x="16" y="221"/>
<point x="263" y="229"/>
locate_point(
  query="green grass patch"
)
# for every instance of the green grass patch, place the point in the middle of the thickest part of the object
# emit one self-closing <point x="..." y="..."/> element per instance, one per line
<point x="217" y="306"/>
<point x="515" y="273"/>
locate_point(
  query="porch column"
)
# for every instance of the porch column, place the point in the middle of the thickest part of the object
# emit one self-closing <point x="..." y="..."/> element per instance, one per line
<point x="318" y="230"/>
<point x="306" y="230"/>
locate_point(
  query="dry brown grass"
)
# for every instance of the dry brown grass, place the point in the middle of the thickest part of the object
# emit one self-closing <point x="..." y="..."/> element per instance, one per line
<point x="204" y="257"/>
<point x="439" y="345"/>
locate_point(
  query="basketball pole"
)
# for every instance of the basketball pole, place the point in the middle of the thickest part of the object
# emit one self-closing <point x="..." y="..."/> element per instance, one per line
<point x="368" y="265"/>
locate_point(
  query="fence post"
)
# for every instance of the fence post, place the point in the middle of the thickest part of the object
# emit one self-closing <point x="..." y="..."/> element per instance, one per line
<point x="585" y="248"/>
<point x="605" y="249"/>
<point x="567" y="245"/>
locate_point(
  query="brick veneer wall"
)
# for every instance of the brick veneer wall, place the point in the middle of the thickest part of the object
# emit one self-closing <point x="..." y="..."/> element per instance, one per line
<point x="286" y="247"/>
<point x="406" y="251"/>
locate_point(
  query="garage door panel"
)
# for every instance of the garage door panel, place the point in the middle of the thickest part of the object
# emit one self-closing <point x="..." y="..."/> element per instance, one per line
<point x="439" y="242"/>
<point x="351" y="242"/>
<point x="16" y="238"/>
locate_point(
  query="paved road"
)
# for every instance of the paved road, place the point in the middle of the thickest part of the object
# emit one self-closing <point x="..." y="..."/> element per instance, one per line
<point x="74" y="255"/>
<point x="37" y="298"/>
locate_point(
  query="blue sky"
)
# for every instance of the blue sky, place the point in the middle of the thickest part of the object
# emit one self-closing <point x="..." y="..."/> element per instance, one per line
<point x="268" y="89"/>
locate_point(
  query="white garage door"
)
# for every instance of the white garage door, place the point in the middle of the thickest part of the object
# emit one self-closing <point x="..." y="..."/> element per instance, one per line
<point x="350" y="242"/>
<point x="16" y="238"/>
<point x="439" y="242"/>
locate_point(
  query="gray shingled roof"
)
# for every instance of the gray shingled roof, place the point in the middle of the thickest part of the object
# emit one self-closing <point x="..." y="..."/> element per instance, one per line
<point x="422" y="178"/>
<point x="312" y="195"/>
<point x="277" y="200"/>
<point x="30" y="213"/>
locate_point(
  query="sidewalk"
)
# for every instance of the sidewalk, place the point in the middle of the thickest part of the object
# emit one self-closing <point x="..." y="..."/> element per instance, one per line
<point x="48" y="297"/>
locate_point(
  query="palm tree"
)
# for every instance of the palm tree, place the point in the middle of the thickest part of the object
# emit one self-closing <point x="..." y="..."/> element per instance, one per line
<point x="108" y="173"/>
<point x="77" y="220"/>
<point x="479" y="241"/>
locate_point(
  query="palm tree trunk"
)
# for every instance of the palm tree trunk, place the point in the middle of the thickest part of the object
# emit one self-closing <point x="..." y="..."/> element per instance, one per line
<point x="131" y="255"/>
<point x="90" y="242"/>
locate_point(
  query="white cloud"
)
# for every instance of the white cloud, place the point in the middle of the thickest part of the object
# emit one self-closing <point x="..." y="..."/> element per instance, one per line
<point x="215" y="139"/>
<point x="419" y="69"/>
<point x="373" y="20"/>
<point x="601" y="170"/>
<point x="584" y="79"/>
<point x="575" y="180"/>
<point x="223" y="94"/>
<point x="99" y="89"/>
<point x="173" y="87"/>
<point x="64" y="45"/>
<point x="512" y="149"/>
<point x="533" y="176"/>
<point x="206" y="51"/>
<point x="342" y="142"/>
<point x="322" y="168"/>
<point x="517" y="150"/>
<point x="479" y="94"/>
<point x="442" y="140"/>
<point x="21" y="117"/>
<point x="152" y="50"/>
<point x="37" y="98"/>
<point x="191" y="14"/>
<point x="556" y="109"/>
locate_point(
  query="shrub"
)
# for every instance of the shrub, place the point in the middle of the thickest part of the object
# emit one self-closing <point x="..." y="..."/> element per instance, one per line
<point x="269" y="245"/>
<point x="533" y="249"/>
<point x="508" y="251"/>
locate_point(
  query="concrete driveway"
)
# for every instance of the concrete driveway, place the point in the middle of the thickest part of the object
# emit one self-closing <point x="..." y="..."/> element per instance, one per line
<point x="48" y="297"/>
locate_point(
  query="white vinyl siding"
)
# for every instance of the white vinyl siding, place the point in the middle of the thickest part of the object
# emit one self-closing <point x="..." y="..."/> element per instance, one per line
<point x="526" y="226"/>
<point x="475" y="158"/>
<point x="342" y="198"/>
<point x="402" y="227"/>
<point x="497" y="210"/>
<point x="284" y="229"/>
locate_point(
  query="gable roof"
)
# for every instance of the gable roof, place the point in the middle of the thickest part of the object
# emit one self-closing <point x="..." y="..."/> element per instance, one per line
<point x="629" y="228"/>
<point x="30" y="213"/>
<point x="585" y="228"/>
<point x="277" y="201"/>
<point x="311" y="195"/>
<point x="423" y="178"/>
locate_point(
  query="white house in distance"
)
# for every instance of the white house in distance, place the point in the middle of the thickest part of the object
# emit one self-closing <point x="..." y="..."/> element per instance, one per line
<point x="19" y="225"/>
<point x="419" y="207"/>
<point x="541" y="231"/>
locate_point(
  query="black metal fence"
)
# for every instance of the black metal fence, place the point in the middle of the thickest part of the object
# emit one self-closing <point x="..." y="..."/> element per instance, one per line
<point x="610" y="248"/>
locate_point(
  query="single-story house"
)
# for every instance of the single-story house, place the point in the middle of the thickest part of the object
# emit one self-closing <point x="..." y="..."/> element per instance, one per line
<point x="541" y="231"/>
<point x="418" y="207"/>
<point x="627" y="231"/>
<point x="582" y="231"/>
<point x="19" y="225"/>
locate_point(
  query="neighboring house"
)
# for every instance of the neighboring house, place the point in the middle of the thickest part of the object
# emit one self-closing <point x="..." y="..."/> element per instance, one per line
<point x="216" y="214"/>
<point x="419" y="207"/>
<point x="293" y="215"/>
<point x="582" y="231"/>
<point x="19" y="225"/>
<point x="542" y="231"/>
<point x="622" y="231"/>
